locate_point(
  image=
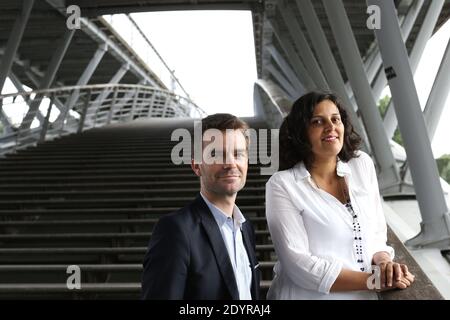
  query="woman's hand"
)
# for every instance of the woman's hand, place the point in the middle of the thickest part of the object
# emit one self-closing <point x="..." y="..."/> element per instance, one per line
<point x="392" y="274"/>
<point x="395" y="275"/>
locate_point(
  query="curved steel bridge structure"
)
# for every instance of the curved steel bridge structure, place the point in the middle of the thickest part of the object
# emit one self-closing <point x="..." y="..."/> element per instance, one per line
<point x="90" y="78"/>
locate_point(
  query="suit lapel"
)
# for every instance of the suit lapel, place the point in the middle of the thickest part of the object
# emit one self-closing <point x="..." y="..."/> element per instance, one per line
<point x="218" y="246"/>
<point x="250" y="253"/>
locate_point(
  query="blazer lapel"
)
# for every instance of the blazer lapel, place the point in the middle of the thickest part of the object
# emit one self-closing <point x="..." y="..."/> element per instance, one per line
<point x="250" y="253"/>
<point x="220" y="251"/>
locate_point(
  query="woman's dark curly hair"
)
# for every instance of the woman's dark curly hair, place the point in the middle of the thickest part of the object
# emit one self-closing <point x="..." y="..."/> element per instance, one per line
<point x="294" y="143"/>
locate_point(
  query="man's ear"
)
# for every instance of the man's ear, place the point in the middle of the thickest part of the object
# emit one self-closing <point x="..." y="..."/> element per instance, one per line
<point x="196" y="168"/>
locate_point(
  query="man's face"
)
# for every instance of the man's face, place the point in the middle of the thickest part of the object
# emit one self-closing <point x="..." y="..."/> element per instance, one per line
<point x="223" y="170"/>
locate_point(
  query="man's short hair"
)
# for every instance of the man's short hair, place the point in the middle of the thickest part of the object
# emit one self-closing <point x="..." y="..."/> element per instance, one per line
<point x="224" y="121"/>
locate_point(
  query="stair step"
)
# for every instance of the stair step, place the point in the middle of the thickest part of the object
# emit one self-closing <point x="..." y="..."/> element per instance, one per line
<point x="90" y="267"/>
<point x="105" y="211"/>
<point x="95" y="250"/>
<point x="37" y="223"/>
<point x="37" y="288"/>
<point x="116" y="170"/>
<point x="114" y="185"/>
<point x="91" y="200"/>
<point x="120" y="178"/>
<point x="25" y="288"/>
<point x="87" y="236"/>
<point x="115" y="193"/>
<point x="122" y="201"/>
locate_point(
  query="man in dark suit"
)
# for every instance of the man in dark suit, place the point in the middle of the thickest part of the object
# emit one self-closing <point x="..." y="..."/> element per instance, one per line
<point x="206" y="250"/>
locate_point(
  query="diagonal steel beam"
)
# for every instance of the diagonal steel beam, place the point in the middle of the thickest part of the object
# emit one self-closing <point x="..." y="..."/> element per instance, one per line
<point x="435" y="226"/>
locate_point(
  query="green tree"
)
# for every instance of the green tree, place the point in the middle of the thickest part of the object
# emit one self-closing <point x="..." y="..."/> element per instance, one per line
<point x="443" y="164"/>
<point x="383" y="104"/>
<point x="382" y="107"/>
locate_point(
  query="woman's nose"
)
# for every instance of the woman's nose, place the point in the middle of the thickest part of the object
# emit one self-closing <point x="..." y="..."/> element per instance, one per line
<point x="329" y="125"/>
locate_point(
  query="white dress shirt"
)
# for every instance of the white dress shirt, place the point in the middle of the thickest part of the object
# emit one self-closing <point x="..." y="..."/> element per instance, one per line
<point x="230" y="228"/>
<point x="313" y="234"/>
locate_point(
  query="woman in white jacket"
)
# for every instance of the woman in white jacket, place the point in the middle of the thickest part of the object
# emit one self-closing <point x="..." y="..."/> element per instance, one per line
<point x="324" y="209"/>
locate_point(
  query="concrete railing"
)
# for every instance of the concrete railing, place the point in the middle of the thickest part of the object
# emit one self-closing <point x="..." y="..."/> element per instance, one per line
<point x="422" y="287"/>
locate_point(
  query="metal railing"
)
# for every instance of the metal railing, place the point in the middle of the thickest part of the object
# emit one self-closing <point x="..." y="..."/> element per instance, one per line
<point x="130" y="31"/>
<point x="74" y="109"/>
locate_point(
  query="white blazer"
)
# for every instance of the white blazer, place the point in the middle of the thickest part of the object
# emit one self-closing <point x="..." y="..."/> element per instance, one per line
<point x="313" y="234"/>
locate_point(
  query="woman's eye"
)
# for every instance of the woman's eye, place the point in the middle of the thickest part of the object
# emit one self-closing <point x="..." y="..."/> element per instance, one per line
<point x="337" y="120"/>
<point x="317" y="122"/>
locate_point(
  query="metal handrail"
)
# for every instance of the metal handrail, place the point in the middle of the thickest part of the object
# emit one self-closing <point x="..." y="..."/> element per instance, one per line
<point x="90" y="106"/>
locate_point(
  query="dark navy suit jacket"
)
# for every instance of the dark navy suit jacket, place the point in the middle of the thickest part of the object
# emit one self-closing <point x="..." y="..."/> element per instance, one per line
<point x="187" y="258"/>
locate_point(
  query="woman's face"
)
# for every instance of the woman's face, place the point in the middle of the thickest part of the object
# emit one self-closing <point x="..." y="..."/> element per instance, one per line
<point x="326" y="130"/>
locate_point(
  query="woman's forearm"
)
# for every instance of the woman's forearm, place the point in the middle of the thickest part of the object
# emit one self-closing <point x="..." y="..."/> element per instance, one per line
<point x="349" y="280"/>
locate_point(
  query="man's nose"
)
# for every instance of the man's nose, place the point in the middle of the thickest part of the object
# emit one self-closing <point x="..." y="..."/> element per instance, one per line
<point x="229" y="161"/>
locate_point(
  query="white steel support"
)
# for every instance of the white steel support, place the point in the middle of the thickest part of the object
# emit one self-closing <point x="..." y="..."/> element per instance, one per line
<point x="348" y="49"/>
<point x="435" y="103"/>
<point x="328" y="63"/>
<point x="438" y="95"/>
<point x="57" y="57"/>
<point x="83" y="80"/>
<point x="49" y="76"/>
<point x="426" y="30"/>
<point x="282" y="81"/>
<point x="435" y="225"/>
<point x="298" y="65"/>
<point x="101" y="38"/>
<point x="92" y="30"/>
<point x="7" y="126"/>
<point x="406" y="27"/>
<point x="32" y="74"/>
<point x="285" y="67"/>
<point x="10" y="52"/>
<point x="303" y="47"/>
<point x="14" y="41"/>
<point x="115" y="79"/>
<point x="19" y="87"/>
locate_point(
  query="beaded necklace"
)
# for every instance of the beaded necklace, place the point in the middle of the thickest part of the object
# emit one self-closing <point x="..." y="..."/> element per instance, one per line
<point x="357" y="236"/>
